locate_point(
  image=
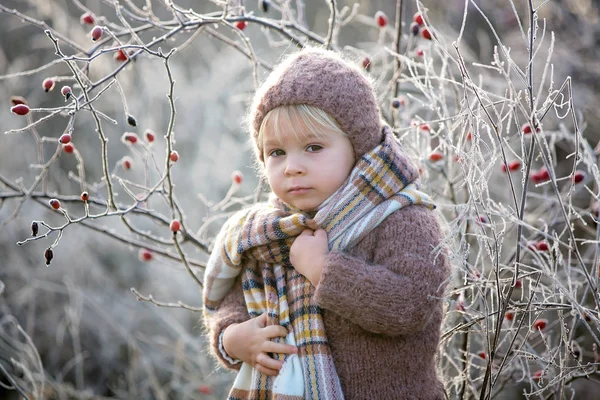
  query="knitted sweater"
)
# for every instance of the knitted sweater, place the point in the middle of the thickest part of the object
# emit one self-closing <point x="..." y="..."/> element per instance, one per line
<point x="381" y="309"/>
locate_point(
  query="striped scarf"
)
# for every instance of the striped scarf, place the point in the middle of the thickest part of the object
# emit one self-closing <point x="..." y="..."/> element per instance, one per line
<point x="255" y="242"/>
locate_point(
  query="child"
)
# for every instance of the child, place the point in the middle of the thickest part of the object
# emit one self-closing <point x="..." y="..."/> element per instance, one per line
<point x="331" y="290"/>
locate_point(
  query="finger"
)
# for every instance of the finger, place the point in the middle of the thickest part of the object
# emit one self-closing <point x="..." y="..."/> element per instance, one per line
<point x="273" y="347"/>
<point x="261" y="320"/>
<point x="269" y="362"/>
<point x="320" y="233"/>
<point x="267" y="371"/>
<point x="273" y="331"/>
<point x="307" y="232"/>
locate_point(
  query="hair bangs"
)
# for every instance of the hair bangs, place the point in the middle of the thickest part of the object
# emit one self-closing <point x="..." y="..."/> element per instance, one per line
<point x="300" y="120"/>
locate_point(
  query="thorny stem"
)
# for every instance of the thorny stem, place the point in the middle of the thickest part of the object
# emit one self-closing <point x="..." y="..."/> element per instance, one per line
<point x="502" y="302"/>
<point x="85" y="221"/>
<point x="27" y="194"/>
<point x="111" y="200"/>
<point x="43" y="25"/>
<point x="397" y="43"/>
<point x="332" y="18"/>
<point x="397" y="63"/>
<point x="151" y="299"/>
<point x="169" y="142"/>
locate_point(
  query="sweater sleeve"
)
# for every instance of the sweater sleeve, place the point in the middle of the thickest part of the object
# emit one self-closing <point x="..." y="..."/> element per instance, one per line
<point x="398" y="292"/>
<point x="231" y="311"/>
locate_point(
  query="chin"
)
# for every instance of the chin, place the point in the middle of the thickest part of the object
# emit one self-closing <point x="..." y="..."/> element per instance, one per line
<point x="301" y="205"/>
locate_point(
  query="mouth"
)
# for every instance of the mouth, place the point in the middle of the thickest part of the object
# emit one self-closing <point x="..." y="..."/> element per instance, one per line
<point x="298" y="190"/>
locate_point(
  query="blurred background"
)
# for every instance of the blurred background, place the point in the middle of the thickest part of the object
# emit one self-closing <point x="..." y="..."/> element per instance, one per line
<point x="76" y="322"/>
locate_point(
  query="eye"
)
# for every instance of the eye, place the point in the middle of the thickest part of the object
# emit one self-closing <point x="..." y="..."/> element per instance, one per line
<point x="276" y="153"/>
<point x="314" y="147"/>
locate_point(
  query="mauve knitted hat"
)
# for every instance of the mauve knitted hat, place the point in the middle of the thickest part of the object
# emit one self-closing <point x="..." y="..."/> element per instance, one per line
<point x="323" y="79"/>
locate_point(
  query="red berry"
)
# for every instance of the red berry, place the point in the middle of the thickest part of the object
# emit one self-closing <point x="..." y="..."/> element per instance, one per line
<point x="129" y="137"/>
<point x="68" y="148"/>
<point x="85" y="196"/>
<point x="120" y="55"/>
<point x="65" y="138"/>
<point x="48" y="84"/>
<point x="66" y="91"/>
<point x="514" y="165"/>
<point x="414" y="28"/>
<point x="145" y="255"/>
<point x="420" y="52"/>
<point x="366" y="63"/>
<point x="540" y="324"/>
<point x="96" y="33"/>
<point x="518" y="284"/>
<point x="482" y="219"/>
<point x="538" y="374"/>
<point x="150" y="136"/>
<point x="126" y="162"/>
<point x="526" y="129"/>
<point x="16" y="100"/>
<point x="20" y="109"/>
<point x="205" y="389"/>
<point x="540" y="176"/>
<point x="595" y="209"/>
<point x="241" y="25"/>
<point x="579" y="176"/>
<point x="542" y="245"/>
<point x="436" y="156"/>
<point x="175" y="226"/>
<point x="482" y="354"/>
<point x="424" y="127"/>
<point x="237" y="177"/>
<point x="381" y="19"/>
<point x="418" y="18"/>
<point x="174" y="156"/>
<point x="469" y="136"/>
<point x="509" y="315"/>
<point x="87" y="19"/>
<point x="54" y="203"/>
<point x="426" y="34"/>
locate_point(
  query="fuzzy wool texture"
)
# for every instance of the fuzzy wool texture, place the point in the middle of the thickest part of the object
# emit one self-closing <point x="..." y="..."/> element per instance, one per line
<point x="323" y="79"/>
<point x="382" y="309"/>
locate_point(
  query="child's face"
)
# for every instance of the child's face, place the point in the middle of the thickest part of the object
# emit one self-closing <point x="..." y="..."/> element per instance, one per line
<point x="305" y="171"/>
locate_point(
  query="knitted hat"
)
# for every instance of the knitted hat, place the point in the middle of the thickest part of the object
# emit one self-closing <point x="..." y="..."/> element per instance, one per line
<point x="323" y="79"/>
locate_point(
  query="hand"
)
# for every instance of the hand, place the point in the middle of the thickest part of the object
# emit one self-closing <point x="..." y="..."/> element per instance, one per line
<point x="251" y="342"/>
<point x="308" y="253"/>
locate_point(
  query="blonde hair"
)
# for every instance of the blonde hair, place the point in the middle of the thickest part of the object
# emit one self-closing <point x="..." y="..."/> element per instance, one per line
<point x="301" y="120"/>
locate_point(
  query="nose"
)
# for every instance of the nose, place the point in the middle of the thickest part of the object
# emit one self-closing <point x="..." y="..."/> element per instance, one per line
<point x="294" y="165"/>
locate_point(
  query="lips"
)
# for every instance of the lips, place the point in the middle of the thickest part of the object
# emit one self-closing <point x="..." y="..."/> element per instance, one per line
<point x="298" y="190"/>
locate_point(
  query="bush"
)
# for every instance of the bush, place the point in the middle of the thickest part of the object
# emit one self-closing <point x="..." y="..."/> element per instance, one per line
<point x="474" y="96"/>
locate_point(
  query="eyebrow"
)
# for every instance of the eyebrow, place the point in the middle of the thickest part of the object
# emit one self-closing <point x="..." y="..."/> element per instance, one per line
<point x="275" y="142"/>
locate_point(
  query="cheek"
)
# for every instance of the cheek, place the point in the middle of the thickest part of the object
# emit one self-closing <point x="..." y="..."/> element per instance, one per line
<point x="272" y="179"/>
